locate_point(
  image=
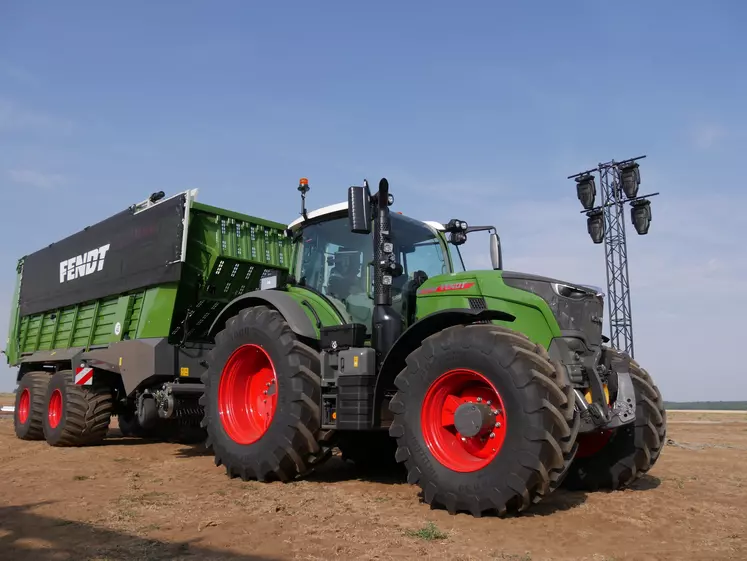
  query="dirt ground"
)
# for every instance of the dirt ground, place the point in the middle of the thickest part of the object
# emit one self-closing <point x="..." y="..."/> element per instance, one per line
<point x="130" y="499"/>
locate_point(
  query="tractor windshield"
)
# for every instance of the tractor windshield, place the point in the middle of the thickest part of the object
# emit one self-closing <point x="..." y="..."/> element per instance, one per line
<point x="339" y="264"/>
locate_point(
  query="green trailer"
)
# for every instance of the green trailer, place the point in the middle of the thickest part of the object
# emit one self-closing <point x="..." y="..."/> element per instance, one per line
<point x="126" y="305"/>
<point x="351" y="327"/>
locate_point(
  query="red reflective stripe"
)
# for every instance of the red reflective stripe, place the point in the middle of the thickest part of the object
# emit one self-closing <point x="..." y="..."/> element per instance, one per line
<point x="87" y="375"/>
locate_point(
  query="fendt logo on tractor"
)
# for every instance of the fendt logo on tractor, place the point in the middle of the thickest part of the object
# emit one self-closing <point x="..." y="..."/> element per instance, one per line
<point x="82" y="265"/>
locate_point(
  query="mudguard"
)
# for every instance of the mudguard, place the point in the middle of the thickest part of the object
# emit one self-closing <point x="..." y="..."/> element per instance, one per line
<point x="290" y="309"/>
<point x="413" y="337"/>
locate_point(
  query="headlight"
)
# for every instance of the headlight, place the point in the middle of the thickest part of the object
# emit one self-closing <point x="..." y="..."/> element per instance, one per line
<point x="575" y="292"/>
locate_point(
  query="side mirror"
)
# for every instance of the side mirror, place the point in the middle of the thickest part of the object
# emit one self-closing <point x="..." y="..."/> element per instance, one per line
<point x="495" y="251"/>
<point x="359" y="209"/>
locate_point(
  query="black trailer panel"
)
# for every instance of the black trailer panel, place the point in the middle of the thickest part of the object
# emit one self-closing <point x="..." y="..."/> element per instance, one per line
<point x="128" y="251"/>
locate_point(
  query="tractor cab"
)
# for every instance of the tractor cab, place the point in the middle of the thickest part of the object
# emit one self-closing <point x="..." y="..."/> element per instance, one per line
<point x="333" y="261"/>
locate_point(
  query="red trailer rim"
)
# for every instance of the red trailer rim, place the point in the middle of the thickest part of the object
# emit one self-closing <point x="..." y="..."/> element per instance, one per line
<point x="451" y="449"/>
<point x="247" y="394"/>
<point x="54" y="412"/>
<point x="24" y="405"/>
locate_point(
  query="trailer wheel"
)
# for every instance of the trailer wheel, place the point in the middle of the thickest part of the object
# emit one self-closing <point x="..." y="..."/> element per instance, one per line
<point x="261" y="400"/>
<point x="76" y="415"/>
<point x="30" y="406"/>
<point x="615" y="459"/>
<point x="482" y="420"/>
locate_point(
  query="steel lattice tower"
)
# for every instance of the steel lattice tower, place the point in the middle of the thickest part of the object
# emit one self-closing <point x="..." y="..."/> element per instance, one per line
<point x="618" y="182"/>
<point x="616" y="254"/>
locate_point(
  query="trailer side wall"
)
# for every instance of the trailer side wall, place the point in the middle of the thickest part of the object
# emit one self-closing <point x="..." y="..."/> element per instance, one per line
<point x="11" y="345"/>
<point x="228" y="253"/>
<point x="147" y="289"/>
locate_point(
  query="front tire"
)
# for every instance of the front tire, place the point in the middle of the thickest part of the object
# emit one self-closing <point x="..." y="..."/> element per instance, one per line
<point x="525" y="432"/>
<point x="76" y="415"/>
<point x="262" y="399"/>
<point x="616" y="459"/>
<point x="28" y="417"/>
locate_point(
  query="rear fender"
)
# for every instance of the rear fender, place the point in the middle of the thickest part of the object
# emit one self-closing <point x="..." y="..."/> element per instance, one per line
<point x="411" y="339"/>
<point x="288" y="307"/>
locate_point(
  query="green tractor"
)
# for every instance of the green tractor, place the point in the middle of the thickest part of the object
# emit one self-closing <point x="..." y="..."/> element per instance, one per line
<point x="492" y="387"/>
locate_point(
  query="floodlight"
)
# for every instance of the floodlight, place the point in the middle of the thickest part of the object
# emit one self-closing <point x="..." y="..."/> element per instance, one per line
<point x="640" y="214"/>
<point x="631" y="178"/>
<point x="586" y="191"/>
<point x="595" y="225"/>
<point x="456" y="225"/>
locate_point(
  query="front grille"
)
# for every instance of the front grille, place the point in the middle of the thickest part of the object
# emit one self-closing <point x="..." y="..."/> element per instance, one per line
<point x="582" y="314"/>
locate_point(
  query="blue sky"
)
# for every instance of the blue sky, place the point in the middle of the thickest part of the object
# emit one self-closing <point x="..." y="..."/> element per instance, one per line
<point x="473" y="110"/>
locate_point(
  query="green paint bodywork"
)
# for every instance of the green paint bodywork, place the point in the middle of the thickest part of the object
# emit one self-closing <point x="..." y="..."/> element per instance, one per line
<point x="533" y="316"/>
<point x="11" y="345"/>
<point x="326" y="313"/>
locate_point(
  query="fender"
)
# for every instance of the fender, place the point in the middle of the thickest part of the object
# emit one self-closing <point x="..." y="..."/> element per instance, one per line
<point x="288" y="307"/>
<point x="411" y="339"/>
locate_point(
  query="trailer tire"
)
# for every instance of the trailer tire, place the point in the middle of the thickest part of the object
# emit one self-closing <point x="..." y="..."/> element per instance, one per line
<point x="278" y="437"/>
<point x="76" y="415"/>
<point x="30" y="407"/>
<point x="513" y="383"/>
<point x="629" y="451"/>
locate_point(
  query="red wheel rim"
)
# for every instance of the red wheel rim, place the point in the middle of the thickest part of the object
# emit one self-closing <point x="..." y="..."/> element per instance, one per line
<point x="591" y="443"/>
<point x="54" y="412"/>
<point x="247" y="394"/>
<point x="445" y="395"/>
<point x="24" y="406"/>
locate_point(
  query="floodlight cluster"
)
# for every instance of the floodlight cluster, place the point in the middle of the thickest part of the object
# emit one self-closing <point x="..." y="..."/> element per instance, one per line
<point x="629" y="181"/>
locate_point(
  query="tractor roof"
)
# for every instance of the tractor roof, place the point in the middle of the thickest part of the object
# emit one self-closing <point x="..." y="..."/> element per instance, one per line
<point x="340" y="207"/>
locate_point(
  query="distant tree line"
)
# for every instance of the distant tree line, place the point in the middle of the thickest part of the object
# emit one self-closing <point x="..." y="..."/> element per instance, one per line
<point x="713" y="405"/>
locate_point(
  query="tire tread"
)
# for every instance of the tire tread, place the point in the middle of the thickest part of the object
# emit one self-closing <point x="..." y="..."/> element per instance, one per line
<point x="558" y="446"/>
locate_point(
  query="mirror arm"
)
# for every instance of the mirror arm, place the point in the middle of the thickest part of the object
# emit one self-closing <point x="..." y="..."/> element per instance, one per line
<point x="481" y="229"/>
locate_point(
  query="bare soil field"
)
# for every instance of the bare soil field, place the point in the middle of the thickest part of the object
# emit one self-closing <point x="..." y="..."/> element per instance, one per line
<point x="132" y="499"/>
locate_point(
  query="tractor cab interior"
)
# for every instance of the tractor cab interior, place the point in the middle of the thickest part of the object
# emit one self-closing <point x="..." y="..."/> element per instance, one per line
<point x="339" y="264"/>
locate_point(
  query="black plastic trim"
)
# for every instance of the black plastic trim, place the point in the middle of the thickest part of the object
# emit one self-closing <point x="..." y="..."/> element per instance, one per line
<point x="313" y="311"/>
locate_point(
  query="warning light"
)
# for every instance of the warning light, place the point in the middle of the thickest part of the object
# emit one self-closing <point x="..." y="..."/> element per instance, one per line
<point x="334" y="414"/>
<point x="303" y="186"/>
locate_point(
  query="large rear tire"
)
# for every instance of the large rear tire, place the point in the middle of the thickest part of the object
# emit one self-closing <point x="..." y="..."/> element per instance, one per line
<point x="519" y="447"/>
<point x="262" y="399"/>
<point x="616" y="459"/>
<point x="28" y="417"/>
<point x="76" y="415"/>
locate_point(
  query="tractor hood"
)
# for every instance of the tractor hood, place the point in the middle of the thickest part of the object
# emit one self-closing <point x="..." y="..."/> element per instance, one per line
<point x="578" y="309"/>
